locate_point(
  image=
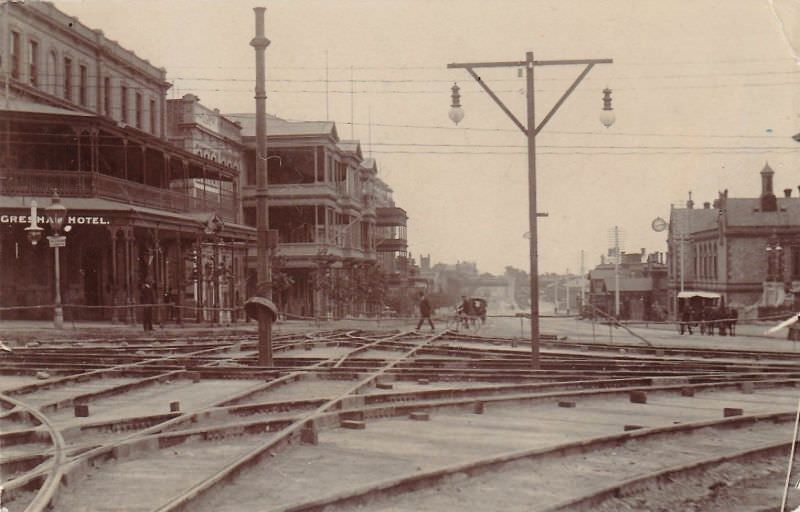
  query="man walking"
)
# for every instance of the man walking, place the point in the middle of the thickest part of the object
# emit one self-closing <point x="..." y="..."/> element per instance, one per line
<point x="424" y="311"/>
<point x="148" y="298"/>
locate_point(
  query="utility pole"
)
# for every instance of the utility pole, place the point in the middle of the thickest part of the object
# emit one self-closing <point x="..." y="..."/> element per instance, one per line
<point x="616" y="270"/>
<point x="264" y="271"/>
<point x="583" y="271"/>
<point x="531" y="130"/>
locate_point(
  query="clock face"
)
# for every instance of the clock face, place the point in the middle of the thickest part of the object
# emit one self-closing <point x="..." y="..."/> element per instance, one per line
<point x="659" y="224"/>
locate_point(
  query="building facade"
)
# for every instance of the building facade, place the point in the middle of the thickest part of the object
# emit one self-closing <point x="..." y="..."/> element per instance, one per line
<point x="640" y="281"/>
<point x="86" y="118"/>
<point x="324" y="202"/>
<point x="746" y="250"/>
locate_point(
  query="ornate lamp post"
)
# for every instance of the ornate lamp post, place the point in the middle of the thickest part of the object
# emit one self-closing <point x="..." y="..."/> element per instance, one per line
<point x="56" y="216"/>
<point x="774" y="252"/>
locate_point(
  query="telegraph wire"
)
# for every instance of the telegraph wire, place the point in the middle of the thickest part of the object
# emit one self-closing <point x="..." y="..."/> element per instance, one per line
<point x="73" y="137"/>
<point x="643" y="150"/>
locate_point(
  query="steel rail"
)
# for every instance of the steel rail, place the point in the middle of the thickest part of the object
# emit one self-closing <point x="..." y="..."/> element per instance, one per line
<point x="184" y="499"/>
<point x="428" y="479"/>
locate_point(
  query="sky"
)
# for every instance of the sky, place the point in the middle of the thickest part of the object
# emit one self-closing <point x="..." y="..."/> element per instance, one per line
<point x="705" y="93"/>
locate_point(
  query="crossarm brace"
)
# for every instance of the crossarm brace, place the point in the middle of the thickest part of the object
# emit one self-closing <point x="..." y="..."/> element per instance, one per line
<point x="564" y="97"/>
<point x="497" y="100"/>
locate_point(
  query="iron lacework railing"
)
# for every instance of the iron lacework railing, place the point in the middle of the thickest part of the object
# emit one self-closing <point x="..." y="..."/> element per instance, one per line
<point x="85" y="184"/>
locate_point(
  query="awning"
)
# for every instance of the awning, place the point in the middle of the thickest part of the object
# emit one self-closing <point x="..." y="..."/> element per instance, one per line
<point x="704" y="295"/>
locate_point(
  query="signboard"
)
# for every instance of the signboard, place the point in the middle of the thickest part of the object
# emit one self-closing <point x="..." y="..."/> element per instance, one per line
<point x="57" y="241"/>
<point x="42" y="219"/>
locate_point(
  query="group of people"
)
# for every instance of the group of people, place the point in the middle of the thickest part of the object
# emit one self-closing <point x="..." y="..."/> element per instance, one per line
<point x="708" y="319"/>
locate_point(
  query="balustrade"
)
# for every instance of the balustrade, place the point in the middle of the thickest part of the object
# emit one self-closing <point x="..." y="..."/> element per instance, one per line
<point x="32" y="182"/>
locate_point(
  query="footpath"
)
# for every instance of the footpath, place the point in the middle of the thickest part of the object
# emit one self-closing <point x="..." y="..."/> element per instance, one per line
<point x="21" y="331"/>
<point x="749" y="336"/>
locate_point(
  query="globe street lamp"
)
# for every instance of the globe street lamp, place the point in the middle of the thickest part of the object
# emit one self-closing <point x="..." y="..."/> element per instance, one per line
<point x="774" y="259"/>
<point x="456" y="112"/>
<point x="34" y="231"/>
<point x="531" y="129"/>
<point x="607" y="116"/>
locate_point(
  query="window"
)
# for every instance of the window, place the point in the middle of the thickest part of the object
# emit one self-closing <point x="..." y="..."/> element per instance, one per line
<point x="14" y="47"/>
<point x="138" y="110"/>
<point x="153" y="116"/>
<point x="67" y="78"/>
<point x="82" y="84"/>
<point x="33" y="63"/>
<point x="107" y="96"/>
<point x="796" y="263"/>
<point x="52" y="73"/>
<point x="123" y="103"/>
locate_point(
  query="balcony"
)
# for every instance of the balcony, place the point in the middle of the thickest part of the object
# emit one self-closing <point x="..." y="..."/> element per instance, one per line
<point x="86" y="184"/>
<point x="288" y="195"/>
<point x="392" y="245"/>
<point x="391" y="216"/>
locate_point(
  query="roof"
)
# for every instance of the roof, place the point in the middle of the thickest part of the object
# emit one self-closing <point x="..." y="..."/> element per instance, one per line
<point x="353" y="146"/>
<point x="742" y="212"/>
<point x="28" y="107"/>
<point x="281" y="127"/>
<point x="694" y="219"/>
<point x="705" y="295"/>
<point x="739" y="212"/>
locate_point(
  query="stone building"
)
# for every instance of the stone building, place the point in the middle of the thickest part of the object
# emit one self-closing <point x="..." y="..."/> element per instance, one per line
<point x="86" y="117"/>
<point x="746" y="250"/>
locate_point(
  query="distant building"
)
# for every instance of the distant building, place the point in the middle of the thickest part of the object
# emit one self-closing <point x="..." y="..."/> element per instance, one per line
<point x="641" y="281"/>
<point x="746" y="250"/>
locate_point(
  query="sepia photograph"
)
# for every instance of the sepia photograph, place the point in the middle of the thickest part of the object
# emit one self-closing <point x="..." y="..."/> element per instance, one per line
<point x="399" y="255"/>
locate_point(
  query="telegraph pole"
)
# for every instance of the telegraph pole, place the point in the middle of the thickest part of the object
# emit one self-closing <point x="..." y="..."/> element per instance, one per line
<point x="530" y="131"/>
<point x="264" y="271"/>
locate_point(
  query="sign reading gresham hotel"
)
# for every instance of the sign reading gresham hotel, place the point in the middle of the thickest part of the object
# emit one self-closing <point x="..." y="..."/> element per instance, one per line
<point x="41" y="219"/>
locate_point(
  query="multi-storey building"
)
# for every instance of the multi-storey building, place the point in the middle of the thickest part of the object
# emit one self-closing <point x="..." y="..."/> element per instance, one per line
<point x="390" y="232"/>
<point x="209" y="134"/>
<point x="86" y="117"/>
<point x="322" y="201"/>
<point x="744" y="250"/>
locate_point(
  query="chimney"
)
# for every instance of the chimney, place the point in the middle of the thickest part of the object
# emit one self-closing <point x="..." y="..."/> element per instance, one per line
<point x="787" y="192"/>
<point x="768" y="201"/>
<point x="706" y="205"/>
<point x="602" y="259"/>
<point x="766" y="180"/>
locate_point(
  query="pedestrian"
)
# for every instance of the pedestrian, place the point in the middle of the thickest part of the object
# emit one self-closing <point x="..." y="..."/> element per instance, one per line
<point x="424" y="311"/>
<point x="686" y="320"/>
<point x="147" y="298"/>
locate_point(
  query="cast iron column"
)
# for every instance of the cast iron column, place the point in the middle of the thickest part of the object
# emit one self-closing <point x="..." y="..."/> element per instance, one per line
<point x="264" y="285"/>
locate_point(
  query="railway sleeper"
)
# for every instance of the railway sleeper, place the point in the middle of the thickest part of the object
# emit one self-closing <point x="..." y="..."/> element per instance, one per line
<point x="12" y="468"/>
<point x="28" y="436"/>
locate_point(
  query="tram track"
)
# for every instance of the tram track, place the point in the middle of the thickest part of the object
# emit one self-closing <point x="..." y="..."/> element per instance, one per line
<point x="323" y="385"/>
